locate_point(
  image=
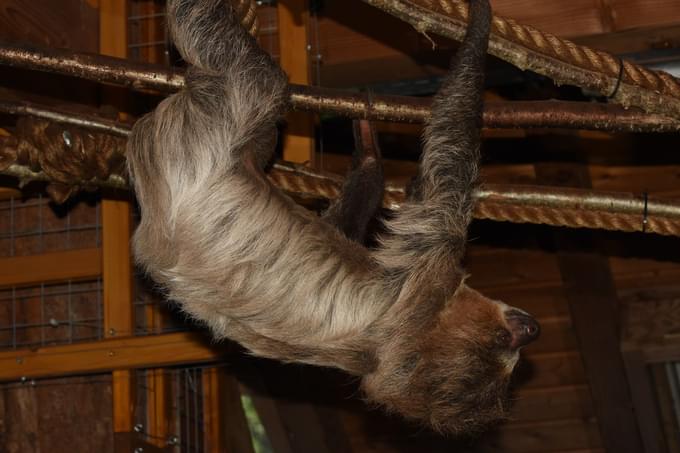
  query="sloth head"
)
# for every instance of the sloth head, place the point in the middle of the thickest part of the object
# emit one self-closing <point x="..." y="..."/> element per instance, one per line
<point x="455" y="375"/>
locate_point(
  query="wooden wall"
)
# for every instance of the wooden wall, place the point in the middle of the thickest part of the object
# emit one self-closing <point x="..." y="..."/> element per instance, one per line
<point x="354" y="51"/>
<point x="65" y="414"/>
<point x="307" y="409"/>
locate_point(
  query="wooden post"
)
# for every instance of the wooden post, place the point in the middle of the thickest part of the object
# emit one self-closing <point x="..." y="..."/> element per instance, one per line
<point x="226" y="428"/>
<point x="293" y="17"/>
<point x="591" y="292"/>
<point x="116" y="227"/>
<point x="159" y="414"/>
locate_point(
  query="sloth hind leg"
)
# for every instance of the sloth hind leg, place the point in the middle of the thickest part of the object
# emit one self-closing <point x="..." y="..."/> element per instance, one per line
<point x="362" y="192"/>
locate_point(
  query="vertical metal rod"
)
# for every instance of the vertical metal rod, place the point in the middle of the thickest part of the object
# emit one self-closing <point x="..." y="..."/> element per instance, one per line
<point x="97" y="226"/>
<point x="70" y="312"/>
<point x="68" y="229"/>
<point x="14" y="318"/>
<point x="197" y="441"/>
<point x="42" y="314"/>
<point x="100" y="316"/>
<point x="40" y="223"/>
<point x="187" y="434"/>
<point x="673" y="376"/>
<point x="176" y="392"/>
<point x="11" y="226"/>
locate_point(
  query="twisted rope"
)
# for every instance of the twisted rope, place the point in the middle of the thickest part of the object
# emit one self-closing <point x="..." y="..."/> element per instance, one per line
<point x="247" y="11"/>
<point x="562" y="60"/>
<point x="573" y="218"/>
<point x="40" y="153"/>
<point x="602" y="212"/>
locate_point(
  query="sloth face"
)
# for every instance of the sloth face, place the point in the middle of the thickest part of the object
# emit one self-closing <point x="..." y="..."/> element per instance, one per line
<point x="456" y="378"/>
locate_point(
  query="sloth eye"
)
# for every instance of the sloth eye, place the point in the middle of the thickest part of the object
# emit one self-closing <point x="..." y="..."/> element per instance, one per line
<point x="503" y="338"/>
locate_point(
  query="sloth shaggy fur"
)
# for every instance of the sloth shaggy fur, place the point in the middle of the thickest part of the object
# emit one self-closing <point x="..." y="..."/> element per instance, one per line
<point x="241" y="256"/>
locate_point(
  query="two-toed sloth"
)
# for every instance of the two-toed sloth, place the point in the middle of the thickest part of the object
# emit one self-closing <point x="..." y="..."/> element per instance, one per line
<point x="241" y="256"/>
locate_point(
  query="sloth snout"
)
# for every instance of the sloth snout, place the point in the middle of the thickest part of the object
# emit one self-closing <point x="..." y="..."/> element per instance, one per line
<point x="523" y="327"/>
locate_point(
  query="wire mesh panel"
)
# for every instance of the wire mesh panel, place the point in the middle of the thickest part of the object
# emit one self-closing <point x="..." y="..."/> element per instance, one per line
<point x="147" y="36"/>
<point x="72" y="414"/>
<point x="189" y="409"/>
<point x="35" y="226"/>
<point x="46" y="315"/>
<point x="148" y="39"/>
<point x="184" y="397"/>
<point x="49" y="314"/>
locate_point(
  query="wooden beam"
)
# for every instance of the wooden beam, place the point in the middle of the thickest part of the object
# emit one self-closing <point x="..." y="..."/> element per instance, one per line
<point x="552" y="403"/>
<point x="117" y="268"/>
<point x="7" y="192"/>
<point x="116" y="224"/>
<point x="570" y="436"/>
<point x="159" y="413"/>
<point x="131" y="442"/>
<point x="644" y="397"/>
<point x="293" y="16"/>
<point x="118" y="353"/>
<point x="112" y="21"/>
<point x="226" y="428"/>
<point x="634" y="40"/>
<point x="158" y="407"/>
<point x="80" y="264"/>
<point x="592" y="296"/>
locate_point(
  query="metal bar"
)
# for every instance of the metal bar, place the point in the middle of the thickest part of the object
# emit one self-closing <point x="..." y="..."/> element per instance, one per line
<point x="80" y="322"/>
<point x="42" y="314"/>
<point x="145" y="16"/>
<point x="51" y="294"/>
<point x="145" y="44"/>
<point x="11" y="226"/>
<point x="91" y="122"/>
<point x="30" y="233"/>
<point x="14" y="318"/>
<point x="143" y="76"/>
<point x="69" y="304"/>
<point x="40" y="222"/>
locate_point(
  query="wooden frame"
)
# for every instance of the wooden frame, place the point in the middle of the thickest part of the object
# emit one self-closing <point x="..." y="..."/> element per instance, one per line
<point x="638" y="358"/>
<point x="28" y="270"/>
<point x="293" y="18"/>
<point x="115" y="353"/>
<point x="116" y="222"/>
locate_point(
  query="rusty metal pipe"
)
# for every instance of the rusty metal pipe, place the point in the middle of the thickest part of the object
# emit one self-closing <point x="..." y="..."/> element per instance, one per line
<point x="542" y="114"/>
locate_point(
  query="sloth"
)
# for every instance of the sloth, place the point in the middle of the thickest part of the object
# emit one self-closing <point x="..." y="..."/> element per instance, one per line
<point x="287" y="284"/>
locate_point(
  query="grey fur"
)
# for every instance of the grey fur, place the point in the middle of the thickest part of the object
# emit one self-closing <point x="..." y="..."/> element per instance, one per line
<point x="260" y="270"/>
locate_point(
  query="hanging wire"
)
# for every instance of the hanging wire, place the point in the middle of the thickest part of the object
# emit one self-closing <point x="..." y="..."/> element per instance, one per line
<point x="318" y="58"/>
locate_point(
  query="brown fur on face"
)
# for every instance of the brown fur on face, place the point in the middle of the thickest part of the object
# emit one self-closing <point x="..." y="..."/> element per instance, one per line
<point x="455" y="376"/>
<point x="239" y="255"/>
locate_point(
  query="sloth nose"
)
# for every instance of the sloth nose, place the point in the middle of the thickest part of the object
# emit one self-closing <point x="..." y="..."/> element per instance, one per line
<point x="523" y="327"/>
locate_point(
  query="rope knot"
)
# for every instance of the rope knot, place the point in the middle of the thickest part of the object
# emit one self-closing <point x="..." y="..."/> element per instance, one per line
<point x="70" y="156"/>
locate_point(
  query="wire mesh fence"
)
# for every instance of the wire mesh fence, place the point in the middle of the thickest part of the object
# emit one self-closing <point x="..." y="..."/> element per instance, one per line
<point x="35" y="226"/>
<point x="45" y="315"/>
<point x="184" y="396"/>
<point x="49" y="314"/>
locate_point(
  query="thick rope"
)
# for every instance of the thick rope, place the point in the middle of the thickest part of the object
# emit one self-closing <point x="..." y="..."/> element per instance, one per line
<point x="563" y="61"/>
<point x="574" y="218"/>
<point x="247" y="11"/>
<point x="307" y="184"/>
<point x="69" y="157"/>
<point x="660" y="217"/>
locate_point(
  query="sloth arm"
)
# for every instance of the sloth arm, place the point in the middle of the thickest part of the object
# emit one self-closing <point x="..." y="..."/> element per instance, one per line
<point x="426" y="241"/>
